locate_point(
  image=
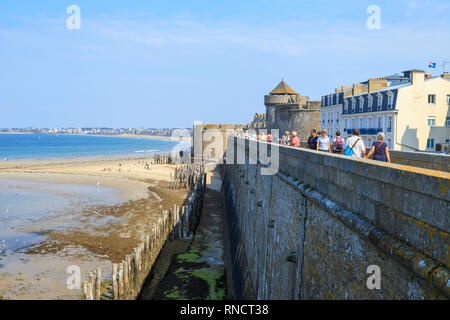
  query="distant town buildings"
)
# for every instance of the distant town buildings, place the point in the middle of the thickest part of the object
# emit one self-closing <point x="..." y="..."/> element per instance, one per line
<point x="411" y="109"/>
<point x="96" y="131"/>
<point x="259" y="122"/>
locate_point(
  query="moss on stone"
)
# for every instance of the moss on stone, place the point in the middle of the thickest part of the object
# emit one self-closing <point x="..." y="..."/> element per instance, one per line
<point x="211" y="277"/>
<point x="188" y="257"/>
<point x="174" y="294"/>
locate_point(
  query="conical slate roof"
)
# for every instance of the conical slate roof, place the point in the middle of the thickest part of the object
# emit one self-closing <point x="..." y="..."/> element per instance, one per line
<point x="282" y="88"/>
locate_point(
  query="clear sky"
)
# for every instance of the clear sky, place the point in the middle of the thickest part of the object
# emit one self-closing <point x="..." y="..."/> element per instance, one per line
<point x="146" y="63"/>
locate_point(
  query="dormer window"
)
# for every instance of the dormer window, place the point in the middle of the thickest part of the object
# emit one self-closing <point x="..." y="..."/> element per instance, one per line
<point x="361" y="104"/>
<point x="353" y="105"/>
<point x="346" y="106"/>
<point x="379" y="101"/>
<point x="390" y="100"/>
<point x="369" y="103"/>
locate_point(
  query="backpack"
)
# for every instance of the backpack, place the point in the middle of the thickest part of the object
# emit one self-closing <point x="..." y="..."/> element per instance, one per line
<point x="338" y="144"/>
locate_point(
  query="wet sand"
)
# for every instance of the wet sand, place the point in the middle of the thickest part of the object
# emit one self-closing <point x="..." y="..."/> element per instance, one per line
<point x="39" y="272"/>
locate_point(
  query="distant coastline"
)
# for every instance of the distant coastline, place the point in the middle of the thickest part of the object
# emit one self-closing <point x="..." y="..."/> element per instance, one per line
<point x="176" y="138"/>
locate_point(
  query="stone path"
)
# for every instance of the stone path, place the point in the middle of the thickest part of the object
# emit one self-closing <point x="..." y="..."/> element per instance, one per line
<point x="199" y="271"/>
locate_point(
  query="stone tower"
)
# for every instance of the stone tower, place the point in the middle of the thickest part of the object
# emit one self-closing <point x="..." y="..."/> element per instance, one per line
<point x="287" y="110"/>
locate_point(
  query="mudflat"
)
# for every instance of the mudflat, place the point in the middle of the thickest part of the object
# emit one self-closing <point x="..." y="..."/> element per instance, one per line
<point x="98" y="235"/>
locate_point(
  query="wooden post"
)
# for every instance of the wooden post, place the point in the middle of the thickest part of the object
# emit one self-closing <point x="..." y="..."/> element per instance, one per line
<point x="90" y="289"/>
<point x="126" y="270"/>
<point x="98" y="285"/>
<point x="121" y="291"/>
<point x="114" y="280"/>
<point x="91" y="283"/>
<point x="85" y="290"/>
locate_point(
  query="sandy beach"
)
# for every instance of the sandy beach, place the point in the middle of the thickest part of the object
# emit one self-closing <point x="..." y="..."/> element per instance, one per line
<point x="99" y="235"/>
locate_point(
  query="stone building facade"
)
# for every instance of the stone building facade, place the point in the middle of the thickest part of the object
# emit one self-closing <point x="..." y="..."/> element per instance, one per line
<point x="287" y="110"/>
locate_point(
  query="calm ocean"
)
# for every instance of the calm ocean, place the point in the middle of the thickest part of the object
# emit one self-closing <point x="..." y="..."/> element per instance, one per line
<point x="31" y="146"/>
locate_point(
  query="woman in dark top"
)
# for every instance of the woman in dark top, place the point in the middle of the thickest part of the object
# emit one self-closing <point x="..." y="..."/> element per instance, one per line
<point x="380" y="149"/>
<point x="312" y="140"/>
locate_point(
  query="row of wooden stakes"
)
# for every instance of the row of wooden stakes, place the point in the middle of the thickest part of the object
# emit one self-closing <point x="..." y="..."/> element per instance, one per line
<point x="185" y="176"/>
<point x="129" y="276"/>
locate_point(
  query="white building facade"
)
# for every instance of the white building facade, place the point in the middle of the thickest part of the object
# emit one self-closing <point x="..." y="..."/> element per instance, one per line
<point x="413" y="115"/>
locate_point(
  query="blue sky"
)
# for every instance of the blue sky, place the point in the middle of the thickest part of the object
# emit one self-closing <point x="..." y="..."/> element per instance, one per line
<point x="147" y="63"/>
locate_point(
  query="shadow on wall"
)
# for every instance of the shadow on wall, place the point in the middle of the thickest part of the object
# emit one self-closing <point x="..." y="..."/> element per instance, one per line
<point x="410" y="142"/>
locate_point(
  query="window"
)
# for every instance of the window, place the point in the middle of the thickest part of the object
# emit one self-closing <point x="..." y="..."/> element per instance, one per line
<point x="361" y="104"/>
<point x="369" y="103"/>
<point x="389" y="124"/>
<point x="430" y="143"/>
<point x="390" y="100"/>
<point x="323" y="101"/>
<point x="345" y="106"/>
<point x="353" y="123"/>
<point x="389" y="143"/>
<point x="432" y="98"/>
<point x="379" y="123"/>
<point x="447" y="141"/>
<point x="431" y="121"/>
<point x="379" y="101"/>
<point x="447" y="122"/>
<point x="353" y="105"/>
<point x="346" y="127"/>
<point x="369" y="122"/>
<point x="360" y="123"/>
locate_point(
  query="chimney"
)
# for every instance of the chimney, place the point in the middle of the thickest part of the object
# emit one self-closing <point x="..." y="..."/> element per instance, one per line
<point x="358" y="89"/>
<point x="417" y="77"/>
<point x="377" y="84"/>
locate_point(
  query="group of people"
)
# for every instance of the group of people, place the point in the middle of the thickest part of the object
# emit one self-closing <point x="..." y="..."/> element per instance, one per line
<point x="354" y="146"/>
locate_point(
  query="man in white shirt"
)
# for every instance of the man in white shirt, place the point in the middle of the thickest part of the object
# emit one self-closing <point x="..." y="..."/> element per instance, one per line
<point x="355" y="141"/>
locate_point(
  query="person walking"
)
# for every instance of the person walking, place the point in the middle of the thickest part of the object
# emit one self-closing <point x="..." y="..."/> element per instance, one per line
<point x="295" y="141"/>
<point x="285" y="139"/>
<point x="323" y="142"/>
<point x="262" y="137"/>
<point x="355" y="145"/>
<point x="312" y="140"/>
<point x="380" y="149"/>
<point x="338" y="143"/>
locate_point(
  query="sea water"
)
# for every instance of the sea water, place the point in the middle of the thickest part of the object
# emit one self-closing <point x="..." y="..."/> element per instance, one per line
<point x="33" y="146"/>
<point x="30" y="210"/>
